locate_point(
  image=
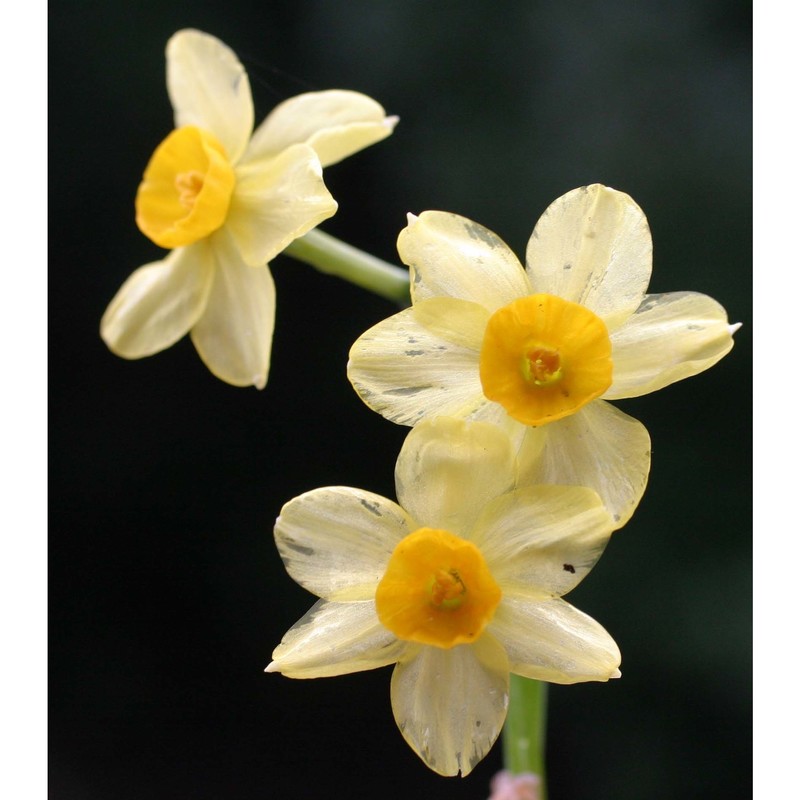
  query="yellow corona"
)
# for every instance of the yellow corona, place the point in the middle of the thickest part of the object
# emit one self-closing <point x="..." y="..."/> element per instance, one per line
<point x="436" y="590"/>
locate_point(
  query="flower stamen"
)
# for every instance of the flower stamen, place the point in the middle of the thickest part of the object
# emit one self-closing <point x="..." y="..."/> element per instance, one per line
<point x="188" y="185"/>
<point x="541" y="366"/>
<point x="447" y="589"/>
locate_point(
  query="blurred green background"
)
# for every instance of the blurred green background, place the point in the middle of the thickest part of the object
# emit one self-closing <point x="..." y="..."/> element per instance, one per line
<point x="167" y="595"/>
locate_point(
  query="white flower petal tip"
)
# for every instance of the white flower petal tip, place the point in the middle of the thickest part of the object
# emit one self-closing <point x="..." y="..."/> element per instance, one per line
<point x="272" y="667"/>
<point x="616" y="674"/>
<point x="734" y="327"/>
<point x="412" y="219"/>
<point x="391" y="122"/>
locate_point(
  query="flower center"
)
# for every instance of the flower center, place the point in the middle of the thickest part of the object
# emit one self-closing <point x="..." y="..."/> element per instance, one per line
<point x="543" y="358"/>
<point x="541" y="366"/>
<point x="436" y="590"/>
<point x="186" y="190"/>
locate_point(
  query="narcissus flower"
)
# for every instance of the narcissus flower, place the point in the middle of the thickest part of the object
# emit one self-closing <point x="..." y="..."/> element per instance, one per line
<point x="538" y="351"/>
<point x="459" y="583"/>
<point x="226" y="200"/>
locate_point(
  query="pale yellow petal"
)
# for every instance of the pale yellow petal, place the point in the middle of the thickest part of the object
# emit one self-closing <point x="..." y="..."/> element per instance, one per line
<point x="593" y="246"/>
<point x="209" y="88"/>
<point x="452" y="256"/>
<point x="670" y="337"/>
<point x="406" y="370"/>
<point x="450" y="705"/>
<point x="159" y="303"/>
<point x="234" y="335"/>
<point x="543" y="540"/>
<point x="337" y="541"/>
<point x="277" y="200"/>
<point x="599" y="447"/>
<point x="336" y="639"/>
<point x="550" y="640"/>
<point x="336" y="123"/>
<point x="449" y="469"/>
<point x="458" y="322"/>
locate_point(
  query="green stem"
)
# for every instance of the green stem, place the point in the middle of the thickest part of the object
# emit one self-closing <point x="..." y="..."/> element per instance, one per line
<point x="334" y="257"/>
<point x="525" y="729"/>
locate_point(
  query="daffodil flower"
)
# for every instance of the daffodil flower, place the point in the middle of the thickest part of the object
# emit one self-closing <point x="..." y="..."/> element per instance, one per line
<point x="459" y="583"/>
<point x="226" y="200"/>
<point x="539" y="350"/>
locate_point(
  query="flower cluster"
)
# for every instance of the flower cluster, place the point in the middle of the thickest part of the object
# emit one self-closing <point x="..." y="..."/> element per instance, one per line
<point x="514" y="475"/>
<point x="516" y="470"/>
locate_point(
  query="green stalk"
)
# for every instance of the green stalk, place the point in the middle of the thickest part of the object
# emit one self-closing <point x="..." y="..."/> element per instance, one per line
<point x="334" y="257"/>
<point x="525" y="729"/>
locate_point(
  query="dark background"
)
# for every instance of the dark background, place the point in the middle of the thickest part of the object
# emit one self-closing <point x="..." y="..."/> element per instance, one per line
<point x="166" y="593"/>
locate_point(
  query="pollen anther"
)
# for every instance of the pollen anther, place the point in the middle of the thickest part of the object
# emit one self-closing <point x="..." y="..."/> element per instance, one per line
<point x="541" y="366"/>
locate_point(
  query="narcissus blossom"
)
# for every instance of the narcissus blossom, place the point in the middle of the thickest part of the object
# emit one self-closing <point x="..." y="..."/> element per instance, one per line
<point x="225" y="200"/>
<point x="539" y="350"/>
<point x="458" y="583"/>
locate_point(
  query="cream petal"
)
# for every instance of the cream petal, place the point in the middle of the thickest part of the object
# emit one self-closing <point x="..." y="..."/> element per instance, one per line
<point x="458" y="322"/>
<point x="337" y="541"/>
<point x="159" y="303"/>
<point x="670" y="337"/>
<point x="449" y="469"/>
<point x="593" y="246"/>
<point x="336" y="123"/>
<point x="598" y="447"/>
<point x="452" y="256"/>
<point x="234" y="335"/>
<point x="550" y="640"/>
<point x="336" y="639"/>
<point x="450" y="705"/>
<point x="277" y="200"/>
<point x="543" y="540"/>
<point x="209" y="88"/>
<point x="405" y="371"/>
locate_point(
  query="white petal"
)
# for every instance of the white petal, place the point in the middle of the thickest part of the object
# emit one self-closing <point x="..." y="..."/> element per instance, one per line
<point x="448" y="470"/>
<point x="336" y="123"/>
<point x="599" y="447"/>
<point x="593" y="246"/>
<point x="159" y="303"/>
<point x="234" y="335"/>
<point x="450" y="705"/>
<point x="550" y="640"/>
<point x="406" y="371"/>
<point x="543" y="540"/>
<point x="670" y="337"/>
<point x="452" y="256"/>
<point x="337" y="541"/>
<point x="336" y="639"/>
<point x="208" y="87"/>
<point x="275" y="201"/>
